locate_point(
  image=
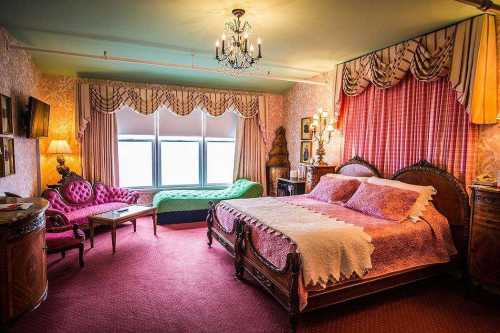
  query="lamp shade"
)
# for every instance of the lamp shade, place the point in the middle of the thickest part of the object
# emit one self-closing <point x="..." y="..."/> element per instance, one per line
<point x="59" y="147"/>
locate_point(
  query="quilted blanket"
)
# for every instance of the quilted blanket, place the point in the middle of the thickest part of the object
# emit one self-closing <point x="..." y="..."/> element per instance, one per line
<point x="329" y="248"/>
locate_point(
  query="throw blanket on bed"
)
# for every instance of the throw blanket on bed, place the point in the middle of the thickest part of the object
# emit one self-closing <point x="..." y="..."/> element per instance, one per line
<point x="330" y="249"/>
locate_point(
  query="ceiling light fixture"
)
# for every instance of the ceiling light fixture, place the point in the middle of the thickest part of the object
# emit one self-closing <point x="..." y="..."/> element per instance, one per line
<point x="236" y="52"/>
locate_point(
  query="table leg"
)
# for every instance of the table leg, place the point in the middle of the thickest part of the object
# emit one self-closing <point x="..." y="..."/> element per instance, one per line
<point x="113" y="236"/>
<point x="91" y="231"/>
<point x="154" y="222"/>
<point x="135" y="225"/>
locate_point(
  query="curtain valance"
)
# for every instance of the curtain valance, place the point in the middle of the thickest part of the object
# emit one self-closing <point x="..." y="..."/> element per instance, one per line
<point x="182" y="101"/>
<point x="465" y="53"/>
<point x="427" y="58"/>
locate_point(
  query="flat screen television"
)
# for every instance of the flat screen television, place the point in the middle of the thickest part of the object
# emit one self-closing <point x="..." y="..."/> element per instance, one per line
<point x="37" y="118"/>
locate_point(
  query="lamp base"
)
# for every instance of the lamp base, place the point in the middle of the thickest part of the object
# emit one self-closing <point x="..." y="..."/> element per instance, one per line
<point x="61" y="168"/>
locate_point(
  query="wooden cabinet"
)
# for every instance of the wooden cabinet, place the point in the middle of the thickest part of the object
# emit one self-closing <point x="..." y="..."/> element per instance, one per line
<point x="484" y="241"/>
<point x="23" y="260"/>
<point x="314" y="173"/>
<point x="288" y="187"/>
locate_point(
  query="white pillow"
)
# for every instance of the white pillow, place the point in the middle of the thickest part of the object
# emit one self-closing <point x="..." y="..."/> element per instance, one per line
<point x="425" y="194"/>
<point x="339" y="176"/>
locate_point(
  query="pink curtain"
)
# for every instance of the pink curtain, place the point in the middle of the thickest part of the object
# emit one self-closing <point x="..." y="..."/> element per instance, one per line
<point x="396" y="127"/>
<point x="100" y="149"/>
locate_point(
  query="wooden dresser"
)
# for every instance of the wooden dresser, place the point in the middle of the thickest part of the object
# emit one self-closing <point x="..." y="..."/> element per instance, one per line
<point x="484" y="238"/>
<point x="314" y="173"/>
<point x="23" y="261"/>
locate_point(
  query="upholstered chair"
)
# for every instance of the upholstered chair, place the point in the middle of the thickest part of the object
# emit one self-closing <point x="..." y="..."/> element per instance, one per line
<point x="63" y="238"/>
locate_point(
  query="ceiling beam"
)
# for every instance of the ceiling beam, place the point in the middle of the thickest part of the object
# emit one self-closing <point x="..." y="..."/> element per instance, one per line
<point x="192" y="67"/>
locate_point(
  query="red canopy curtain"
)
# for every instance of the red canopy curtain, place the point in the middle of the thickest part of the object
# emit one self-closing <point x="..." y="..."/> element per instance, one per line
<point x="396" y="127"/>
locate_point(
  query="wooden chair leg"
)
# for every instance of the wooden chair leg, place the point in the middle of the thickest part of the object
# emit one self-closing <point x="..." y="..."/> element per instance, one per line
<point x="80" y="255"/>
<point x="63" y="254"/>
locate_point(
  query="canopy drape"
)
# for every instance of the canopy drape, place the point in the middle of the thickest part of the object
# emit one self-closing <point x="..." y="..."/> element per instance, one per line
<point x="465" y="53"/>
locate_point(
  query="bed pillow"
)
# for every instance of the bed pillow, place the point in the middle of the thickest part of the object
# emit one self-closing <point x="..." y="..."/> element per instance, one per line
<point x="425" y="194"/>
<point x="385" y="202"/>
<point x="333" y="190"/>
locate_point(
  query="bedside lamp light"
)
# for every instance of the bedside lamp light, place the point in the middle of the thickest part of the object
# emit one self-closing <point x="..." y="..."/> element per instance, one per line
<point x="60" y="147"/>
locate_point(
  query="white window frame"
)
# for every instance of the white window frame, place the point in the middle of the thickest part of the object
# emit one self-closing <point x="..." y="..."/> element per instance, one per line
<point x="156" y="140"/>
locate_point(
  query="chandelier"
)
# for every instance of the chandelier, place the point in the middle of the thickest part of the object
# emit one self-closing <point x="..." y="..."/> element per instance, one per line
<point x="237" y="52"/>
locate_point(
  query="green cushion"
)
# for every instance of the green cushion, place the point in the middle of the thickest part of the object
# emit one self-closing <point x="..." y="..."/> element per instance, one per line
<point x="183" y="200"/>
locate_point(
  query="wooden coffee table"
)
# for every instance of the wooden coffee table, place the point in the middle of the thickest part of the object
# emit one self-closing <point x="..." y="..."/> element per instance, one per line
<point x="119" y="216"/>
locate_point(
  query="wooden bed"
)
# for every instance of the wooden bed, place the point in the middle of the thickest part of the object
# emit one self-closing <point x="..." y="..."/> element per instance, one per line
<point x="451" y="200"/>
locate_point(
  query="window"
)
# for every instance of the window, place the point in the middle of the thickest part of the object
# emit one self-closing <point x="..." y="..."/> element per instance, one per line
<point x="167" y="150"/>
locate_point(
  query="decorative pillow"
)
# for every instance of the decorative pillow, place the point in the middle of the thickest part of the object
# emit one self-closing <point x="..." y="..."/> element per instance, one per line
<point x="385" y="202"/>
<point x="425" y="194"/>
<point x="334" y="189"/>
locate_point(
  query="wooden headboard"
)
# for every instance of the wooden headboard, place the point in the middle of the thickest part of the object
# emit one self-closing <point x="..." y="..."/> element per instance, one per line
<point x="451" y="199"/>
<point x="356" y="166"/>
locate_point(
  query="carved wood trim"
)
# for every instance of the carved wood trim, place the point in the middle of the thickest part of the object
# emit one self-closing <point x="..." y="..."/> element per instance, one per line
<point x="358" y="160"/>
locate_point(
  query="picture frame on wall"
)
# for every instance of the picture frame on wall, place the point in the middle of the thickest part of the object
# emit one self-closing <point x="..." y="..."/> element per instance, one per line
<point x="305" y="128"/>
<point x="6" y="126"/>
<point x="7" y="161"/>
<point x="305" y="151"/>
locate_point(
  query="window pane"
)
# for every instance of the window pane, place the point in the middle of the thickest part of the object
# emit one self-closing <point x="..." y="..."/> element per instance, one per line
<point x="222" y="126"/>
<point x="135" y="163"/>
<point x="180" y="163"/>
<point x="133" y="123"/>
<point x="220" y="162"/>
<point x="171" y="124"/>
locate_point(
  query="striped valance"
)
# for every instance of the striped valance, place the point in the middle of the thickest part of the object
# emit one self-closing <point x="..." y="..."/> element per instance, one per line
<point x="180" y="100"/>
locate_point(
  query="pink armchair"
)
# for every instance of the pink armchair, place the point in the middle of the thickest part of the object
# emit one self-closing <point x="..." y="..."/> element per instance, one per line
<point x="76" y="199"/>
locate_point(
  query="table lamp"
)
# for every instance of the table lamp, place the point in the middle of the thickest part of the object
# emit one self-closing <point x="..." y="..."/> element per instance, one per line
<point x="60" y="147"/>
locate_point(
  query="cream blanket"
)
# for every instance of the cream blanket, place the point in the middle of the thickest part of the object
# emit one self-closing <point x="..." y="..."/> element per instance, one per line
<point x="330" y="249"/>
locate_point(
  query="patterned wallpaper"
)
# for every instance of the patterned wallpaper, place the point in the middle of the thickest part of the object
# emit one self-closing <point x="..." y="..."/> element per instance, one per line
<point x="303" y="100"/>
<point x="488" y="159"/>
<point x="18" y="78"/>
<point x="59" y="92"/>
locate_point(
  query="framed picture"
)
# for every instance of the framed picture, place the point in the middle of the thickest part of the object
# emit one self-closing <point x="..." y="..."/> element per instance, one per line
<point x="305" y="128"/>
<point x="305" y="151"/>
<point x="6" y="115"/>
<point x="7" y="164"/>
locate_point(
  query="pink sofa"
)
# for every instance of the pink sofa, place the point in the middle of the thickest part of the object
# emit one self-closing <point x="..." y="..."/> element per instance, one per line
<point x="76" y="199"/>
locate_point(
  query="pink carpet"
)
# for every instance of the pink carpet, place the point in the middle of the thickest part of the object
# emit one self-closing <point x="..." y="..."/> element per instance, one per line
<point x="174" y="283"/>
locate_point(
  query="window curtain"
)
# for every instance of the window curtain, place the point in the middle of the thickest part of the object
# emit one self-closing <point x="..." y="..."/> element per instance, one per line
<point x="250" y="146"/>
<point x="98" y="135"/>
<point x="414" y="120"/>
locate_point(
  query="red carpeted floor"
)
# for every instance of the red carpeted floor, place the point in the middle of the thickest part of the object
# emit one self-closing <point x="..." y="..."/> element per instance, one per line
<point x="174" y="283"/>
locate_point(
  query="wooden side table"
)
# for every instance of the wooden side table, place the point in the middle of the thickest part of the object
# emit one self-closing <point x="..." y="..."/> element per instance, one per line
<point x="288" y="187"/>
<point x="484" y="236"/>
<point x="116" y="217"/>
<point x="23" y="259"/>
<point x="314" y="173"/>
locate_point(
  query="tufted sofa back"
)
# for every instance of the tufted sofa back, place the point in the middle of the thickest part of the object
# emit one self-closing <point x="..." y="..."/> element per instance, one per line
<point x="77" y="192"/>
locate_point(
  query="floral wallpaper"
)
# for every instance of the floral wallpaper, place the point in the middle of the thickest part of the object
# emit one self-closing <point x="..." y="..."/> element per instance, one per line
<point x="59" y="92"/>
<point x="18" y="78"/>
<point x="303" y="100"/>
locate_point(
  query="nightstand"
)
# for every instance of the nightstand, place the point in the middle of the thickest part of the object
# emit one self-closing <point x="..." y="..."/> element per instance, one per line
<point x="314" y="173"/>
<point x="288" y="187"/>
<point x="484" y="237"/>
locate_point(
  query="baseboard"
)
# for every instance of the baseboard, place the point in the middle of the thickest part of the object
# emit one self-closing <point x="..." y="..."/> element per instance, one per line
<point x="183" y="216"/>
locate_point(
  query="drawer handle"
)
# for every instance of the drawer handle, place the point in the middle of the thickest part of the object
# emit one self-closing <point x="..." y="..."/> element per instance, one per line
<point x="491" y="222"/>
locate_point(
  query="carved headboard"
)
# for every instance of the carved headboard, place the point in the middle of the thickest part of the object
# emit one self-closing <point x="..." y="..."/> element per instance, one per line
<point x="451" y="199"/>
<point x="356" y="166"/>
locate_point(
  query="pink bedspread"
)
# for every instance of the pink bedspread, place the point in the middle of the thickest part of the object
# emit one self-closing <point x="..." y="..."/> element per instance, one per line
<point x="398" y="245"/>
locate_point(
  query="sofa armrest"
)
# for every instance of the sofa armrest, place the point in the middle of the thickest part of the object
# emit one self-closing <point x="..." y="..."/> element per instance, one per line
<point x="56" y="221"/>
<point x="55" y="200"/>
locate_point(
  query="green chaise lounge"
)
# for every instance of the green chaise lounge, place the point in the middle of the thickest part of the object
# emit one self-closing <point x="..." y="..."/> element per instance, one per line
<point x="176" y="206"/>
